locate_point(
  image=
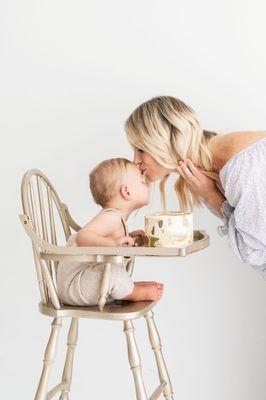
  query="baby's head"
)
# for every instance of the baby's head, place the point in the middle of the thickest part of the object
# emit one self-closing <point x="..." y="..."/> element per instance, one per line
<point x="119" y="181"/>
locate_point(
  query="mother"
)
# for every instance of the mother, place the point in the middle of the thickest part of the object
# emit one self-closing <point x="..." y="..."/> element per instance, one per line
<point x="225" y="172"/>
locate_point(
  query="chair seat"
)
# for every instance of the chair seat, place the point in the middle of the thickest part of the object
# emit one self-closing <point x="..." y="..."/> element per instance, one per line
<point x="118" y="311"/>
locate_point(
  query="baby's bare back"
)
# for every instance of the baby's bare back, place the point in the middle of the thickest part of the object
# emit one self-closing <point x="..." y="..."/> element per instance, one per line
<point x="105" y="229"/>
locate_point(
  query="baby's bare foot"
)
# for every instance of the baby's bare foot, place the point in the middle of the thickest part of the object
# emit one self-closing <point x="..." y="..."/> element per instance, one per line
<point x="148" y="283"/>
<point x="146" y="291"/>
<point x="150" y="291"/>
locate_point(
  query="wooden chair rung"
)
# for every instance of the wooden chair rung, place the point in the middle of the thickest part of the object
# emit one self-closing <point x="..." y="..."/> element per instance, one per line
<point x="42" y="209"/>
<point x="50" y="285"/>
<point x="104" y="286"/>
<point x="157" y="392"/>
<point x="53" y="264"/>
<point x="51" y="216"/>
<point x="41" y="281"/>
<point x="55" y="390"/>
<point x="33" y="209"/>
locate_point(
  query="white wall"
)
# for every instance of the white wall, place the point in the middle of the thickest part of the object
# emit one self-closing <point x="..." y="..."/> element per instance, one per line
<point x="71" y="72"/>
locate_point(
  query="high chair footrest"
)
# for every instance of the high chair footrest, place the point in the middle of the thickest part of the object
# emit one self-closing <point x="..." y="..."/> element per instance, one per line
<point x="157" y="392"/>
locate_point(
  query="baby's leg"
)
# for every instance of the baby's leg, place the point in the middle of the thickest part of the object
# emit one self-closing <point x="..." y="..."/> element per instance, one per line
<point x="145" y="291"/>
<point x="123" y="288"/>
<point x="147" y="283"/>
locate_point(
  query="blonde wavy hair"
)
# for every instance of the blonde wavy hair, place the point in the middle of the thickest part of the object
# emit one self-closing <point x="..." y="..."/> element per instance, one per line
<point x="169" y="130"/>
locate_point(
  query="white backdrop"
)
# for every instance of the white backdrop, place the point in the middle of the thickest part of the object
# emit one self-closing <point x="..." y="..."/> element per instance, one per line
<point x="71" y="72"/>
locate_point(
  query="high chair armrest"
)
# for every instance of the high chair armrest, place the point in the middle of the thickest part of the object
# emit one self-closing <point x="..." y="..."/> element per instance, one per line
<point x="50" y="251"/>
<point x="36" y="239"/>
<point x="69" y="219"/>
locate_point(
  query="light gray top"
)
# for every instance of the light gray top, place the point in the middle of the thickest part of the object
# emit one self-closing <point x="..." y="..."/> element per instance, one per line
<point x="243" y="179"/>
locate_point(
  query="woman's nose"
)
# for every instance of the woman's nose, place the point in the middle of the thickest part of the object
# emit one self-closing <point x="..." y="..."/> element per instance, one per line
<point x="137" y="157"/>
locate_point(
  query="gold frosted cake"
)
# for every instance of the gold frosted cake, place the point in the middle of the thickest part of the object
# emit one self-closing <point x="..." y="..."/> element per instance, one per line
<point x="169" y="229"/>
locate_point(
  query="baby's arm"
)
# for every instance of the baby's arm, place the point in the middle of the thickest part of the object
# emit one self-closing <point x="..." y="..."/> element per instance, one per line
<point x="88" y="238"/>
<point x="99" y="232"/>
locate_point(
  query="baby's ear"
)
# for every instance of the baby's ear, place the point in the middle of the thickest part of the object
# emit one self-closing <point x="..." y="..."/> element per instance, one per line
<point x="125" y="192"/>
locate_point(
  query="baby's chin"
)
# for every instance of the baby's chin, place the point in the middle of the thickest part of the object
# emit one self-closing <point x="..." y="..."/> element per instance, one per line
<point x="144" y="203"/>
<point x="147" y="202"/>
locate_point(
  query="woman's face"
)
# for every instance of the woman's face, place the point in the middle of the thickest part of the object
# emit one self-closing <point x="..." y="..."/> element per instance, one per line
<point x="149" y="166"/>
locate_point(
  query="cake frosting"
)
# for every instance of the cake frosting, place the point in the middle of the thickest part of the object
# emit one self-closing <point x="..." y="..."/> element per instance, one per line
<point x="169" y="229"/>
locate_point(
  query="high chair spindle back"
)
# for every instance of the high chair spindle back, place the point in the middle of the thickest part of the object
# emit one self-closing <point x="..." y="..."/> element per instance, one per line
<point x="48" y="218"/>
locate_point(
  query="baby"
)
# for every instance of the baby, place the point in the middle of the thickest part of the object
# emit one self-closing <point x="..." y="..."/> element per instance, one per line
<point x="118" y="186"/>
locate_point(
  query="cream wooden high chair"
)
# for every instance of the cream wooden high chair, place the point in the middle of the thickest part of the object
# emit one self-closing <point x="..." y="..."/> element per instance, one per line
<point x="46" y="219"/>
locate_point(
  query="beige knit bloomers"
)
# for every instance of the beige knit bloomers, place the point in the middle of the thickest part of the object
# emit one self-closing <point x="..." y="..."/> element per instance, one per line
<point x="78" y="283"/>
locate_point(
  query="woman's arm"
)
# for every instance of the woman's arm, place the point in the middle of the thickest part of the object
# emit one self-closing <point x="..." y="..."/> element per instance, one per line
<point x="215" y="200"/>
<point x="243" y="224"/>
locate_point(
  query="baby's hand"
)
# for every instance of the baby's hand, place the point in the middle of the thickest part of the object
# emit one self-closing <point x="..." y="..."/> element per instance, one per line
<point x="125" y="241"/>
<point x="139" y="236"/>
<point x="137" y="233"/>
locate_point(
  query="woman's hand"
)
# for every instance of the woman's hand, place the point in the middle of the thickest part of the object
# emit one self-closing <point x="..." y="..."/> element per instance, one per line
<point x="139" y="236"/>
<point x="125" y="241"/>
<point x="199" y="183"/>
<point x="207" y="188"/>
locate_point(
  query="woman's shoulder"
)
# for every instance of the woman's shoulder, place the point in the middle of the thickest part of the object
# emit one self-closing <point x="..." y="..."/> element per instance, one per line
<point x="224" y="147"/>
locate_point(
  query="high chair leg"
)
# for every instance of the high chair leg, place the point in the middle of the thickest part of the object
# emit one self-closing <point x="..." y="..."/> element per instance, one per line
<point x="157" y="349"/>
<point x="134" y="361"/>
<point x="71" y="344"/>
<point x="48" y="361"/>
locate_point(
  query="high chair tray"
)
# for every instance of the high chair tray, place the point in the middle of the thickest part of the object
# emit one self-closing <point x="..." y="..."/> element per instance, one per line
<point x="201" y="240"/>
